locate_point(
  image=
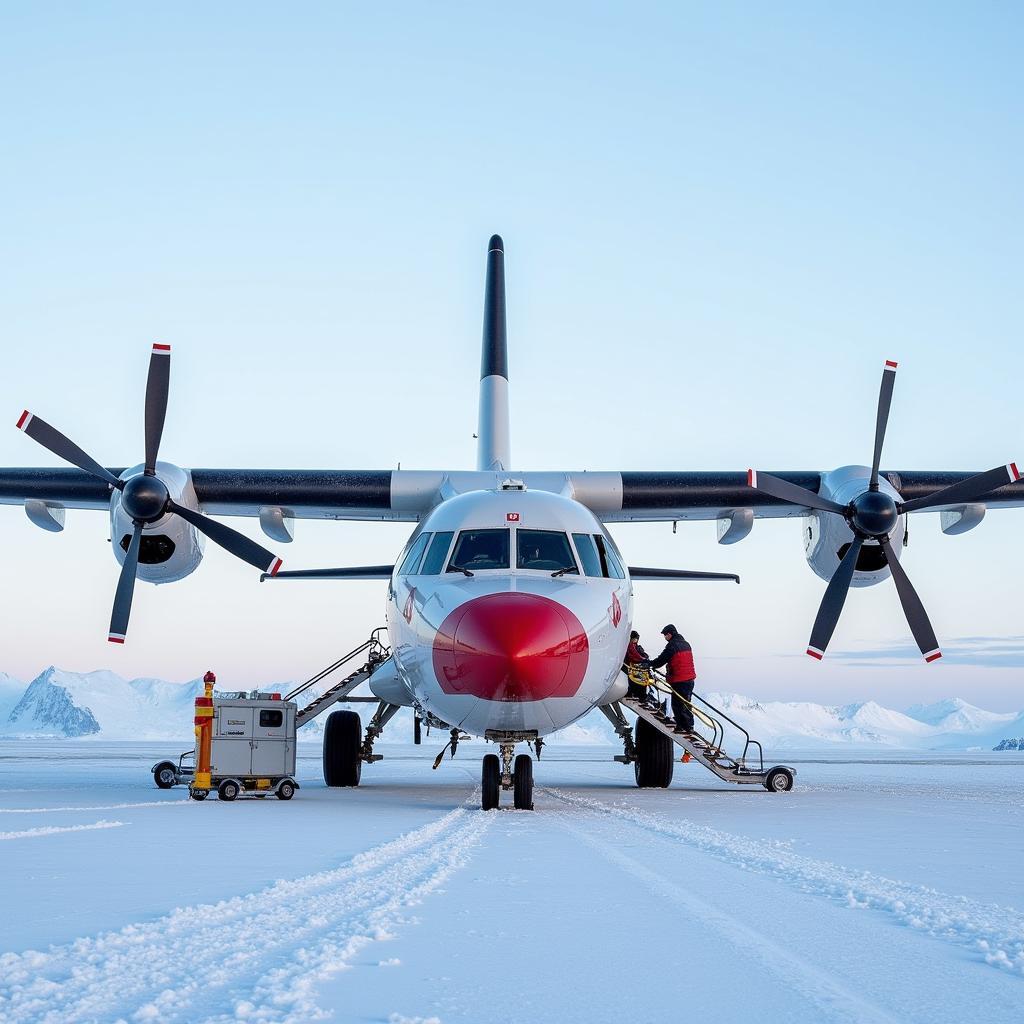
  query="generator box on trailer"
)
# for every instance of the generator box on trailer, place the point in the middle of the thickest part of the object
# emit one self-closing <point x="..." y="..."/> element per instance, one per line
<point x="252" y="737"/>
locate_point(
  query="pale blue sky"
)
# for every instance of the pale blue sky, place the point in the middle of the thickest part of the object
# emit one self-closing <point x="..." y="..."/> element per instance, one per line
<point x="720" y="219"/>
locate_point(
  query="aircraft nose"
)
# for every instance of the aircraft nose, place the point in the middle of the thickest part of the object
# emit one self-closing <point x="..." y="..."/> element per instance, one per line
<point x="513" y="647"/>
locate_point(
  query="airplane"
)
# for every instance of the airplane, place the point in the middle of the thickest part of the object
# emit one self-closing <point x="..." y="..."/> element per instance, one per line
<point x="510" y="607"/>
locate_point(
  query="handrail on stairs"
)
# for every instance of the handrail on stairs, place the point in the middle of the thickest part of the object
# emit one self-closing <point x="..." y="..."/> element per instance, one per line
<point x="373" y="643"/>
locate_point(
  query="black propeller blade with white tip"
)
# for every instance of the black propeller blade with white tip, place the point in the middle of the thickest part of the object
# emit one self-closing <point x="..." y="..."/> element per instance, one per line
<point x="917" y="617"/>
<point x="53" y="440"/>
<point x="157" y="386"/>
<point x="793" y="493"/>
<point x="122" y="609"/>
<point x="966" y="491"/>
<point x="231" y="540"/>
<point x="832" y="603"/>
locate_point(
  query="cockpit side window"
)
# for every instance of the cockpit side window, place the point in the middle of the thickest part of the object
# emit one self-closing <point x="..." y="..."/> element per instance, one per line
<point x="412" y="560"/>
<point x="610" y="564"/>
<point x="480" y="549"/>
<point x="436" y="553"/>
<point x="587" y="551"/>
<point x="544" y="549"/>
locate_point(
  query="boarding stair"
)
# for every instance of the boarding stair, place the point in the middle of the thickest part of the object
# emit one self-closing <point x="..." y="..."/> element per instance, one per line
<point x="706" y="742"/>
<point x="376" y="654"/>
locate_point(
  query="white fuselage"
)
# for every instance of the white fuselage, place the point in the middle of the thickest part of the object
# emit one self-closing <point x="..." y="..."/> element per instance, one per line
<point x="510" y="648"/>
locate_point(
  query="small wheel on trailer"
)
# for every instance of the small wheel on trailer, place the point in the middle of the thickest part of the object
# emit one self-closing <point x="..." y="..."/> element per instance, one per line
<point x="286" y="790"/>
<point x="522" y="783"/>
<point x="655" y="757"/>
<point x="199" y="794"/>
<point x="779" y="780"/>
<point x="490" y="783"/>
<point x="228" y="790"/>
<point x="165" y="774"/>
<point x="343" y="747"/>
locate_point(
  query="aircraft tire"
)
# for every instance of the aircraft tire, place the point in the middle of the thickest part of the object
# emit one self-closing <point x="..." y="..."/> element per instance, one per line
<point x="522" y="783"/>
<point x="490" y="783"/>
<point x="417" y="734"/>
<point x="655" y="757"/>
<point x="343" y="742"/>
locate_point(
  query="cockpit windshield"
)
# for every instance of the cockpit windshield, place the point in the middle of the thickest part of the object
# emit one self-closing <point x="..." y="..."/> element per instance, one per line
<point x="544" y="549"/>
<point x="480" y="549"/>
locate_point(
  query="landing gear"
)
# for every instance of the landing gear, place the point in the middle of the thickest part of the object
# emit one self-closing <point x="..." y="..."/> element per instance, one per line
<point x="779" y="780"/>
<point x="417" y="734"/>
<point x="343" y="742"/>
<point x="490" y="783"/>
<point x="522" y="783"/>
<point x="654" y="757"/>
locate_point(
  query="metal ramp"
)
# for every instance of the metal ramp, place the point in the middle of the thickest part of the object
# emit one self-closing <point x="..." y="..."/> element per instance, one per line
<point x="706" y="746"/>
<point x="376" y="655"/>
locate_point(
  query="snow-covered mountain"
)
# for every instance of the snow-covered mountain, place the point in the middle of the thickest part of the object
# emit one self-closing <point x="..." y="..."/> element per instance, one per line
<point x="102" y="705"/>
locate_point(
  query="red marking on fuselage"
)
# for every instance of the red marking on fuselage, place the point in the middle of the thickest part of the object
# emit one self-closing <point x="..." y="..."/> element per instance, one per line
<point x="511" y="517"/>
<point x="615" y="612"/>
<point x="408" y="609"/>
<point x="511" y="647"/>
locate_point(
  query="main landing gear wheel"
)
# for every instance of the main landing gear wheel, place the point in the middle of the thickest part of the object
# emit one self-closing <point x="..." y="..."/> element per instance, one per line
<point x="227" y="790"/>
<point x="655" y="757"/>
<point x="779" y="780"/>
<point x="343" y="744"/>
<point x="164" y="773"/>
<point x="490" y="782"/>
<point x="522" y="783"/>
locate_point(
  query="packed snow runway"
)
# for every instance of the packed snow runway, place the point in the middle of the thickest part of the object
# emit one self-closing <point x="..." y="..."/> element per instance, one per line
<point x="876" y="891"/>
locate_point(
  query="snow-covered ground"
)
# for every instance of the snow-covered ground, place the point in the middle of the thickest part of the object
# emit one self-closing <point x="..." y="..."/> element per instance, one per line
<point x="881" y="889"/>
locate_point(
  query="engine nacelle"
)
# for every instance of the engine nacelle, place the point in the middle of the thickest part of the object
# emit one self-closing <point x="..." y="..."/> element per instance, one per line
<point x="827" y="537"/>
<point x="170" y="548"/>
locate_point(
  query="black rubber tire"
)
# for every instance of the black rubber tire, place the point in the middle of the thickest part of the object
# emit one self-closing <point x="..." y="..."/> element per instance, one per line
<point x="285" y="791"/>
<point x="522" y="783"/>
<point x="343" y="743"/>
<point x="490" y="783"/>
<point x="164" y="774"/>
<point x="655" y="757"/>
<point x="779" y="780"/>
<point x="228" y="790"/>
<point x="417" y="731"/>
<point x="199" y="794"/>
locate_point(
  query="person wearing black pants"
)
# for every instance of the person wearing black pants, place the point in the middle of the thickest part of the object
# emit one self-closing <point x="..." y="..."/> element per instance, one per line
<point x="680" y="674"/>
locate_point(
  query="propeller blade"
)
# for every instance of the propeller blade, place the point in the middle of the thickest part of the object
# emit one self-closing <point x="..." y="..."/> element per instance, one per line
<point x="917" y="617"/>
<point x="125" y="590"/>
<point x="231" y="540"/>
<point x="832" y="603"/>
<point x="793" y="493"/>
<point x="971" y="489"/>
<point x="884" y="402"/>
<point x="61" y="446"/>
<point x="156" y="402"/>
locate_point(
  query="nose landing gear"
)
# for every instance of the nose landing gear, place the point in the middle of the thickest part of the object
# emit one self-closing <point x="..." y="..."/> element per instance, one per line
<point x="504" y="773"/>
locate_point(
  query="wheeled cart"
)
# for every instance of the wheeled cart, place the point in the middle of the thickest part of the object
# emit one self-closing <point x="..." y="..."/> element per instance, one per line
<point x="245" y="746"/>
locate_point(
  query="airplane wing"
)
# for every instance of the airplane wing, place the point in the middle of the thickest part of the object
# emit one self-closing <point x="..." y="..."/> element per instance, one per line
<point x="405" y="495"/>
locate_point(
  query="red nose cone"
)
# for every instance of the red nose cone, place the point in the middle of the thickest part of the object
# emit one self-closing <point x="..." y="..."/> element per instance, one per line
<point x="512" y="647"/>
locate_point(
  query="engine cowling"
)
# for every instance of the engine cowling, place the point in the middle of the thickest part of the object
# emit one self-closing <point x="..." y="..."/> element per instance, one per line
<point x="827" y="537"/>
<point x="171" y="548"/>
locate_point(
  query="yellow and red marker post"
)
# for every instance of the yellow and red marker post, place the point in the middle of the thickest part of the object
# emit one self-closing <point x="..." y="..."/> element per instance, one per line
<point x="204" y="734"/>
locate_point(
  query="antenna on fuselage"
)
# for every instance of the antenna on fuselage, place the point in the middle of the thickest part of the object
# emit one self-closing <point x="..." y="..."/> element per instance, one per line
<point x="493" y="433"/>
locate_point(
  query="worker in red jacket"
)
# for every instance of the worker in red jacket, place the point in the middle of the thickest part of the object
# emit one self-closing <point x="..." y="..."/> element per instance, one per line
<point x="680" y="674"/>
<point x="635" y="655"/>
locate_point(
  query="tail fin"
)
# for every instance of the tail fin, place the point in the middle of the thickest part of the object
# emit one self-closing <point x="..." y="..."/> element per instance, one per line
<point x="493" y="433"/>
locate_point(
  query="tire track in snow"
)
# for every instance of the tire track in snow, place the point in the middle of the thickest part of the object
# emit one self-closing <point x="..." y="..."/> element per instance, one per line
<point x="254" y="957"/>
<point x="52" y="830"/>
<point x="98" y="807"/>
<point x="995" y="932"/>
<point x="832" y="1000"/>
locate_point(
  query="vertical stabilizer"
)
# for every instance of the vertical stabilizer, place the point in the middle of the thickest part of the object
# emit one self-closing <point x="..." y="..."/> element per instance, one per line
<point x="494" y="441"/>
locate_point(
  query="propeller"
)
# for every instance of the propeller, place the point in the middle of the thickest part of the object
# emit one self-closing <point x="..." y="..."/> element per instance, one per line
<point x="145" y="498"/>
<point x="872" y="516"/>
